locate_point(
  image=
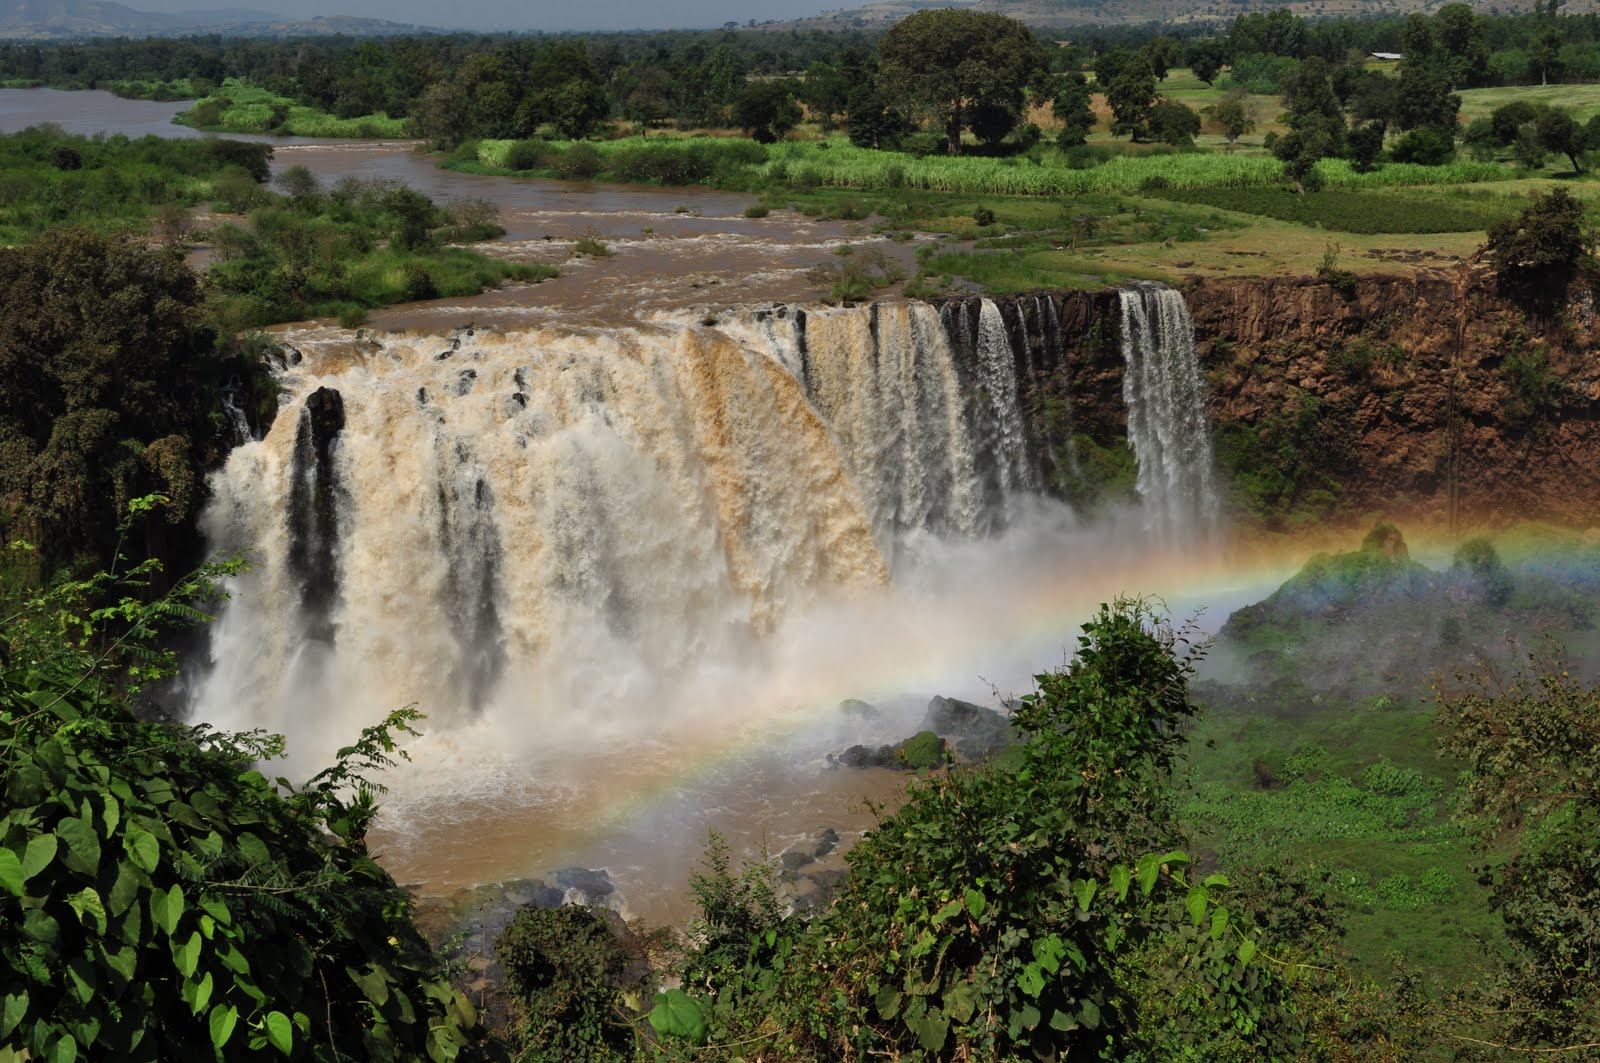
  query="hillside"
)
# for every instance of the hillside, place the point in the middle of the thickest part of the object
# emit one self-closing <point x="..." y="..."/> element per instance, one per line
<point x="1067" y="13"/>
<point x="49" y="19"/>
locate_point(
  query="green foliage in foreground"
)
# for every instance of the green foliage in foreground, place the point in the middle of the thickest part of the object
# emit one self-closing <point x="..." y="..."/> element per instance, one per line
<point x="159" y="900"/>
<point x="1349" y="211"/>
<point x="992" y="914"/>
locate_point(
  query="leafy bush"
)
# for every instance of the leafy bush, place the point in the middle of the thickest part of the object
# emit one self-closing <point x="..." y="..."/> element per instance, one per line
<point x="1425" y="147"/>
<point x="580" y="162"/>
<point x="525" y="155"/>
<point x="991" y="917"/>
<point x="566" y="971"/>
<point x="163" y="901"/>
<point x="1543" y="243"/>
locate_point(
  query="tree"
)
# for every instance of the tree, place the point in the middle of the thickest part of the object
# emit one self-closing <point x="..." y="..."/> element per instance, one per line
<point x="1366" y="145"/>
<point x="1532" y="750"/>
<point x="766" y="110"/>
<point x="1130" y="88"/>
<point x="997" y="914"/>
<point x="1424" y="99"/>
<point x="1315" y="120"/>
<point x="1206" y="57"/>
<point x="1541" y="245"/>
<point x="1071" y="107"/>
<point x="649" y="101"/>
<point x="106" y="358"/>
<point x="1173" y="123"/>
<point x="826" y="90"/>
<point x="1558" y="132"/>
<point x="1163" y="53"/>
<point x="1276" y="32"/>
<point x="1459" y="35"/>
<point x="873" y="123"/>
<point x="1233" y="115"/>
<point x="940" y="65"/>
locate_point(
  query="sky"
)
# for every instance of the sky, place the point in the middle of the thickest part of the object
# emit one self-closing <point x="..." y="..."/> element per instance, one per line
<point x="525" y="14"/>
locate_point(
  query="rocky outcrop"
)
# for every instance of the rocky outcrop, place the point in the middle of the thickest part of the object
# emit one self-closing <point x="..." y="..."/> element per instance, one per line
<point x="1431" y="396"/>
<point x="1435" y="395"/>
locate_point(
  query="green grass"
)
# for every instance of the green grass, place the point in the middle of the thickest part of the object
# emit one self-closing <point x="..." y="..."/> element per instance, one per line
<point x="1359" y="802"/>
<point x="836" y="163"/>
<point x="240" y="107"/>
<point x="1582" y="100"/>
<point x="1352" y="211"/>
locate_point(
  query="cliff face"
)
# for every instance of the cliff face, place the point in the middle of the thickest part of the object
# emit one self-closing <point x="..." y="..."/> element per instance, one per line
<point x="1416" y="395"/>
<point x="1430" y="396"/>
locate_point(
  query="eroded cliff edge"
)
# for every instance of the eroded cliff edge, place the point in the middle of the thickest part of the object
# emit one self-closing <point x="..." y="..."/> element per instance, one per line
<point x="1430" y="396"/>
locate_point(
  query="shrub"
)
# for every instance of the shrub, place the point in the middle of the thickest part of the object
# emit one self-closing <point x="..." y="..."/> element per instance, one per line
<point x="1543" y="243"/>
<point x="169" y="902"/>
<point x="1425" y="147"/>
<point x="566" y="971"/>
<point x="525" y="155"/>
<point x="755" y="210"/>
<point x="923" y="143"/>
<point x="580" y="162"/>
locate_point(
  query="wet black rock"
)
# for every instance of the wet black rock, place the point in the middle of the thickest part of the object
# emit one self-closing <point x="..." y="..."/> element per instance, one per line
<point x="794" y="859"/>
<point x="592" y="885"/>
<point x="859" y="756"/>
<point x="979" y="732"/>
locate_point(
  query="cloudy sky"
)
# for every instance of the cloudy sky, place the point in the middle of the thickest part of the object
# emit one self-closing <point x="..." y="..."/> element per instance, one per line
<point x="527" y="14"/>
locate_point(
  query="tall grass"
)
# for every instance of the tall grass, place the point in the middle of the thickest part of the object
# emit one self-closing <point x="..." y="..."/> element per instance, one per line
<point x="838" y="164"/>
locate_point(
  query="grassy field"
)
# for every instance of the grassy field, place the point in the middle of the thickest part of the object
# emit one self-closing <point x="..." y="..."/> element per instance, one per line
<point x="1582" y="100"/>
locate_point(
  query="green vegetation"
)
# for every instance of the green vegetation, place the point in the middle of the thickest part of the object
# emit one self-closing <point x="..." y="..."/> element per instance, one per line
<point x="237" y="107"/>
<point x="164" y="900"/>
<point x="51" y="179"/>
<point x="362" y="244"/>
<point x="1539" y="249"/>
<point x="1284" y="471"/>
<point x="111" y="368"/>
<point x="1345" y="211"/>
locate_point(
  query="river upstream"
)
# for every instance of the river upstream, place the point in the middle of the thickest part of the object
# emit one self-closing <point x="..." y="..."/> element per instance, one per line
<point x="630" y="537"/>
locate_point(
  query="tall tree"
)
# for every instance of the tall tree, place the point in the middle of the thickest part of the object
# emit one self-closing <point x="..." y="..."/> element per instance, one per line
<point x="943" y="65"/>
<point x="1130" y="88"/>
<point x="1071" y="107"/>
<point x="104" y="352"/>
<point x="1315" y="120"/>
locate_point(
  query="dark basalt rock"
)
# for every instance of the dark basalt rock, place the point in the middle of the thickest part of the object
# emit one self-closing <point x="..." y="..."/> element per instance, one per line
<point x="980" y="733"/>
<point x="594" y="884"/>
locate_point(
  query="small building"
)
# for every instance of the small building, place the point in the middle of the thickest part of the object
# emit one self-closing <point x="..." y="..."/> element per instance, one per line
<point x="1385" y="57"/>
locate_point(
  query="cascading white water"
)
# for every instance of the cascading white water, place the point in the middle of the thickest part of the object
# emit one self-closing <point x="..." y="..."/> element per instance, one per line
<point x="1167" y="424"/>
<point x="593" y="557"/>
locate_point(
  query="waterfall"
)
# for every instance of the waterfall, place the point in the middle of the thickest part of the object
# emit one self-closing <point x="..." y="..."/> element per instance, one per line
<point x="556" y="517"/>
<point x="1167" y="424"/>
<point x="238" y="423"/>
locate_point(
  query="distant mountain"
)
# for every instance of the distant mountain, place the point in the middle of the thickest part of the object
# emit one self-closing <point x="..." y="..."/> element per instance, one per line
<point x="879" y="14"/>
<point x="53" y="19"/>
